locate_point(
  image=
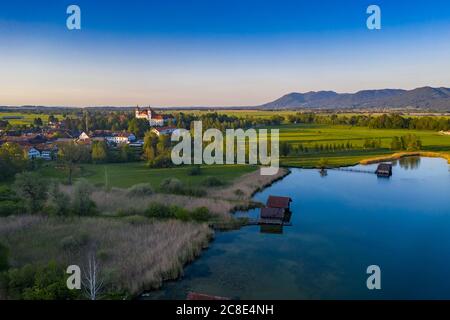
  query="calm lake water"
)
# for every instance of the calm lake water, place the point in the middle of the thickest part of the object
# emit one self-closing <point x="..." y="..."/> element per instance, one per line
<point x="342" y="223"/>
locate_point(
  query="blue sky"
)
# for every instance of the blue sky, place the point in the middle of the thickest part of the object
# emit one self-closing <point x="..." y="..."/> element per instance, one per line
<point x="178" y="53"/>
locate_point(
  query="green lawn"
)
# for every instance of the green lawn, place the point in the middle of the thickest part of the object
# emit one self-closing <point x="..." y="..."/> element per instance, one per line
<point x="124" y="175"/>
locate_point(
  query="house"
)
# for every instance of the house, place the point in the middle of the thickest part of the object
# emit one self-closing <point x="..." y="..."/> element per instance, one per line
<point x="121" y="137"/>
<point x="279" y="202"/>
<point x="32" y="153"/>
<point x="384" y="170"/>
<point x="84" y="136"/>
<point x="163" y="130"/>
<point x="154" y="119"/>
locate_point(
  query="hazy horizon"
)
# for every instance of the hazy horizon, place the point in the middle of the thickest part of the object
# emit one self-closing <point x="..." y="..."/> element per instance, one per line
<point x="204" y="54"/>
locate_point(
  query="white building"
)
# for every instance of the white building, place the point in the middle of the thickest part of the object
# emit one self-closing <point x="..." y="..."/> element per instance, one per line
<point x="33" y="153"/>
<point x="122" y="137"/>
<point x="163" y="130"/>
<point x="154" y="119"/>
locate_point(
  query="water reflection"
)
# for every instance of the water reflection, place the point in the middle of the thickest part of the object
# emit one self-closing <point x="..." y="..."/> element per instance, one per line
<point x="409" y="163"/>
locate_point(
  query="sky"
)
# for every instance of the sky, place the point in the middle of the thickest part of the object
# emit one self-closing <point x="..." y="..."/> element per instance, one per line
<point x="215" y="52"/>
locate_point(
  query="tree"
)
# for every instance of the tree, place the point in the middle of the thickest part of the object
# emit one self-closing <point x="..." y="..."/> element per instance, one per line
<point x="396" y="144"/>
<point x="12" y="160"/>
<point x="71" y="154"/>
<point x="59" y="201"/>
<point x="32" y="189"/>
<point x="99" y="152"/>
<point x="150" y="143"/>
<point x="82" y="202"/>
<point x="92" y="280"/>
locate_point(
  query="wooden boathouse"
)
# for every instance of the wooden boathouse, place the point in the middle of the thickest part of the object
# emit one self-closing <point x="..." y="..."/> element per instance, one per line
<point x="384" y="170"/>
<point x="276" y="212"/>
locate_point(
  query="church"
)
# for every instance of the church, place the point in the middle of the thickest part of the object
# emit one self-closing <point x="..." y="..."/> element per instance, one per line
<point x="154" y="119"/>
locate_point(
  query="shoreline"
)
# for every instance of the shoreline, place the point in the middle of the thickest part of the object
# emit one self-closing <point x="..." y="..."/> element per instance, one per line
<point x="400" y="155"/>
<point x="236" y="225"/>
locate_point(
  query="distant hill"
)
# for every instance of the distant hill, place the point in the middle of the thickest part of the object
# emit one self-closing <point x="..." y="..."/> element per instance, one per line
<point x="425" y="98"/>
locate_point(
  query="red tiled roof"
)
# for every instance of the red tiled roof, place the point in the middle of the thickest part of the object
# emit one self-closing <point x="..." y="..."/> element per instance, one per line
<point x="278" y="202"/>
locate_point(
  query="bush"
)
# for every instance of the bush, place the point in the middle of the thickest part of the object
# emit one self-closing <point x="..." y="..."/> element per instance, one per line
<point x="159" y="211"/>
<point x="31" y="188"/>
<point x="74" y="242"/>
<point x="33" y="282"/>
<point x="140" y="190"/>
<point x="10" y="208"/>
<point x="212" y="182"/>
<point x="194" y="192"/>
<point x="195" y="171"/>
<point x="171" y="185"/>
<point x="59" y="201"/>
<point x="82" y="203"/>
<point x="201" y="214"/>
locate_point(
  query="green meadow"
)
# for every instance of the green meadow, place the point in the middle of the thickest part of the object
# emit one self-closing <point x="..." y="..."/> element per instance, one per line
<point x="125" y="175"/>
<point x="25" y="118"/>
<point x="310" y="135"/>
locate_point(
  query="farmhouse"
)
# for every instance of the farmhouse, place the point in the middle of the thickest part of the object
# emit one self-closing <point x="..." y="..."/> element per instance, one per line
<point x="163" y="130"/>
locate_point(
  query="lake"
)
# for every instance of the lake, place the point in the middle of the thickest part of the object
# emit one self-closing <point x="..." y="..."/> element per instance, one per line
<point x="341" y="223"/>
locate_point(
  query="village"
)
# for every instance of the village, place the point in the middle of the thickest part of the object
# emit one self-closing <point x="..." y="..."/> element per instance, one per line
<point x="43" y="142"/>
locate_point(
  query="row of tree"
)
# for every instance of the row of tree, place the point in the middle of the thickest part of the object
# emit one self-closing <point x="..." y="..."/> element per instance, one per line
<point x="385" y="121"/>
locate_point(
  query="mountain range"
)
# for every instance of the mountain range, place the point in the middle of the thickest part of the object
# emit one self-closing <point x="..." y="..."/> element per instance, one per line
<point x="424" y="98"/>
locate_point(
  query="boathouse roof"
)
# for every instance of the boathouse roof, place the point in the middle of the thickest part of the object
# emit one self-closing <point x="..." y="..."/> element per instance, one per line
<point x="279" y="202"/>
<point x="272" y="213"/>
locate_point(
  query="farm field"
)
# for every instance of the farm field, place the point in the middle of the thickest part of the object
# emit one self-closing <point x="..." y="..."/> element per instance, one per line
<point x="310" y="135"/>
<point x="25" y="118"/>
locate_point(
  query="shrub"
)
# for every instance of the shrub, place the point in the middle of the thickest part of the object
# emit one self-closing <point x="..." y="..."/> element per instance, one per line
<point x="9" y="207"/>
<point x="160" y="211"/>
<point x="33" y="282"/>
<point x="31" y="188"/>
<point x="195" y="171"/>
<point x="191" y="191"/>
<point x="82" y="202"/>
<point x="59" y="201"/>
<point x="171" y="185"/>
<point x="212" y="182"/>
<point x="201" y="214"/>
<point x="140" y="190"/>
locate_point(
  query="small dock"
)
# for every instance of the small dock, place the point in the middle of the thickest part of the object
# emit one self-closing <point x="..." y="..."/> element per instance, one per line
<point x="383" y="170"/>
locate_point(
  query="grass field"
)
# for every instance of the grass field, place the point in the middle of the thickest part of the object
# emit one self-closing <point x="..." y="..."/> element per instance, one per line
<point x="124" y="175"/>
<point x="26" y="118"/>
<point x="309" y="135"/>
